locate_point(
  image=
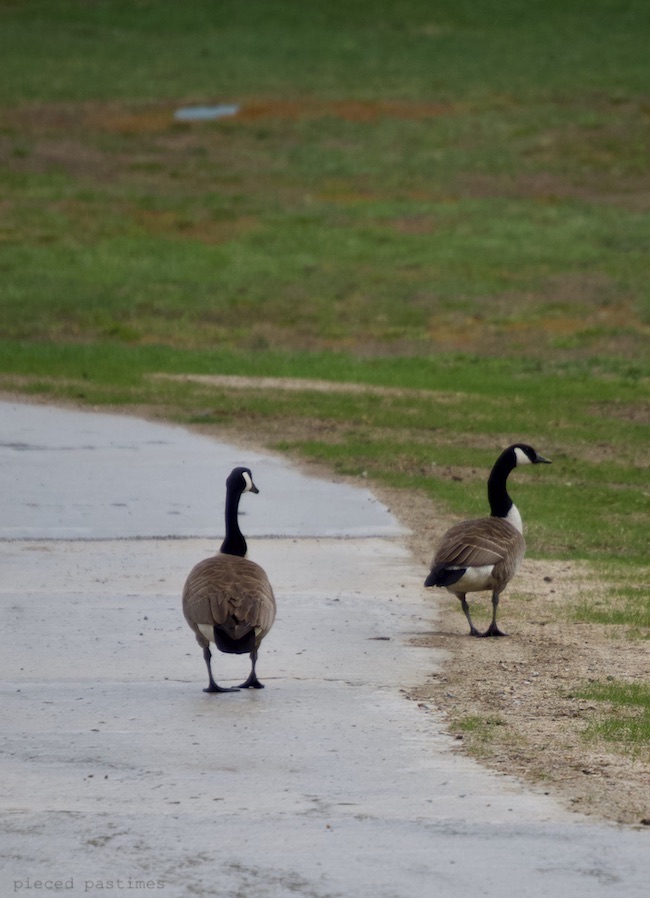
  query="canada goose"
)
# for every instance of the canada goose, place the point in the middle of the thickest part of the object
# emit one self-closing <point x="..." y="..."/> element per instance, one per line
<point x="228" y="599"/>
<point x="486" y="553"/>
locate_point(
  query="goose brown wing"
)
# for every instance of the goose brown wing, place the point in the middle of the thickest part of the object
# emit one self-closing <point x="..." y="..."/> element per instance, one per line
<point x="229" y="586"/>
<point x="478" y="543"/>
<point x="253" y="600"/>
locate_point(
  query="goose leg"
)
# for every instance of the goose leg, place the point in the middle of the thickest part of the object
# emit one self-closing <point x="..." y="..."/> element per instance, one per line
<point x="493" y="630"/>
<point x="213" y="686"/>
<point x="472" y="629"/>
<point x="252" y="682"/>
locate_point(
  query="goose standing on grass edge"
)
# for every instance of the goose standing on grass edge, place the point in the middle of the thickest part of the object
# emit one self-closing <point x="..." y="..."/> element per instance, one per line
<point x="486" y="553"/>
<point x="227" y="599"/>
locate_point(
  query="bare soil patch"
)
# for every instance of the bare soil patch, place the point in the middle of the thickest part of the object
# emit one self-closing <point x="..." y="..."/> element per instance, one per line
<point x="298" y="384"/>
<point x="630" y="191"/>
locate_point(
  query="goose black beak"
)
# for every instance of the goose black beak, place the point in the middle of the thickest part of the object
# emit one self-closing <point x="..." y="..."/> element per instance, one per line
<point x="540" y="460"/>
<point x="253" y="488"/>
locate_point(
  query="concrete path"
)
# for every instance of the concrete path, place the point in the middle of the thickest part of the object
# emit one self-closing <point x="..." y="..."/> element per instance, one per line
<point x="119" y="774"/>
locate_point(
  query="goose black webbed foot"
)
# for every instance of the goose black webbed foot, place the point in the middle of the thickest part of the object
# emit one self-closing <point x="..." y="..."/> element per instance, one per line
<point x="214" y="688"/>
<point x="493" y="630"/>
<point x="251" y="683"/>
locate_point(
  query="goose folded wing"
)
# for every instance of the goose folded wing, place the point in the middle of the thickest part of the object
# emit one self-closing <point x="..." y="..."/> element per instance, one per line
<point x="479" y="543"/>
<point x="227" y="585"/>
<point x="209" y="589"/>
<point x="253" y="601"/>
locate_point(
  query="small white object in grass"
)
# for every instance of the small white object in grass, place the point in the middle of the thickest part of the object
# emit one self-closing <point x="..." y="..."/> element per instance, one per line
<point x="204" y="113"/>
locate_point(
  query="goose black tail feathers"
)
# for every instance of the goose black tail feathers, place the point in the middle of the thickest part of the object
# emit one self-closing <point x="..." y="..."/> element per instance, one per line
<point x="231" y="646"/>
<point x="444" y="576"/>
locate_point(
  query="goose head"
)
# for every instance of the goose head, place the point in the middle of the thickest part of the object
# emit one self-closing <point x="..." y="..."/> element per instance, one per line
<point x="240" y="480"/>
<point x="526" y="455"/>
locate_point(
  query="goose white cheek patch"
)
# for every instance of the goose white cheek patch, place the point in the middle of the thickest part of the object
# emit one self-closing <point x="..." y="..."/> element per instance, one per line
<point x="247" y="481"/>
<point x="522" y="458"/>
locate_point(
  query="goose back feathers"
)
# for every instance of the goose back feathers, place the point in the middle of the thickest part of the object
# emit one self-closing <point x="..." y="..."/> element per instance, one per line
<point x="227" y="599"/>
<point x="486" y="550"/>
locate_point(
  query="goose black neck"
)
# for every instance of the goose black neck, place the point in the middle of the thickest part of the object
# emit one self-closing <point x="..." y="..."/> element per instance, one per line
<point x="500" y="501"/>
<point x="234" y="542"/>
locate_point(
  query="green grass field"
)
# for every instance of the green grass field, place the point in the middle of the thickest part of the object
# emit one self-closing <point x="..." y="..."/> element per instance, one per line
<point x="625" y="714"/>
<point x="445" y="197"/>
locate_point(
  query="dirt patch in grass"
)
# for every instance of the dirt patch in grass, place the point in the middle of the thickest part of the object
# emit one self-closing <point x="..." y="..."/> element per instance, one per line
<point x="629" y="191"/>
<point x="638" y="413"/>
<point x="151" y="118"/>
<point x="348" y="110"/>
<point x="297" y="384"/>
